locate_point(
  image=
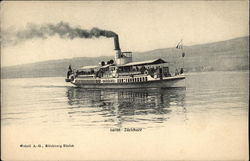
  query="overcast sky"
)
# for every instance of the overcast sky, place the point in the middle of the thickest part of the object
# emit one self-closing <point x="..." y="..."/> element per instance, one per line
<point x="141" y="25"/>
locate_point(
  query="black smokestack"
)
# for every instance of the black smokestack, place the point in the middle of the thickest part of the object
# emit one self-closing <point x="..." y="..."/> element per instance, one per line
<point x="62" y="29"/>
<point x="116" y="42"/>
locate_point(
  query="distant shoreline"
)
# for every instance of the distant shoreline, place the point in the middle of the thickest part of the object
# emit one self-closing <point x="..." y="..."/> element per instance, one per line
<point x="192" y="72"/>
<point x="229" y="55"/>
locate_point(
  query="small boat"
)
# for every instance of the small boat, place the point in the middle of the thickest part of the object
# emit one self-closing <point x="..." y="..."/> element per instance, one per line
<point x="124" y="73"/>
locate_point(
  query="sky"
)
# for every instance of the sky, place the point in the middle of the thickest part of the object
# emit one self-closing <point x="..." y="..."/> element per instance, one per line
<point x="141" y="25"/>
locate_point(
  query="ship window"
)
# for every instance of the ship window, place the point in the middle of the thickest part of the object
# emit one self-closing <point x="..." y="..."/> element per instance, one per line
<point x="140" y="79"/>
<point x="146" y="78"/>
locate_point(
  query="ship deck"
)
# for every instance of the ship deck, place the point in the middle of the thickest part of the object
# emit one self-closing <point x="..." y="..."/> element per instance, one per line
<point x="131" y="82"/>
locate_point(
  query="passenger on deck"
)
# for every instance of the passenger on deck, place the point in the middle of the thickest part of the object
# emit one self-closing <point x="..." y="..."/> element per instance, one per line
<point x="176" y="72"/>
<point x="68" y="74"/>
<point x="181" y="71"/>
<point x="142" y="69"/>
<point x="77" y="73"/>
<point x="69" y="71"/>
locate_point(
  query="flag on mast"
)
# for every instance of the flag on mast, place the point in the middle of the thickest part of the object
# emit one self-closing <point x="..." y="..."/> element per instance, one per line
<point x="179" y="45"/>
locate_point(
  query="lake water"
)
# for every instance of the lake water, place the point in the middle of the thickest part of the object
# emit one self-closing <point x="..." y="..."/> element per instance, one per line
<point x="207" y="120"/>
<point x="52" y="102"/>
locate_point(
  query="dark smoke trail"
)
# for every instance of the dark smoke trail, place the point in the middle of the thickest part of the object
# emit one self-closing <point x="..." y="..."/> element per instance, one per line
<point x="62" y="29"/>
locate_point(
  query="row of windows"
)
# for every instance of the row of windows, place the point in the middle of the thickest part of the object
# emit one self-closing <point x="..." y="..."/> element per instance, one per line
<point x="96" y="81"/>
<point x="87" y="81"/>
<point x="128" y="80"/>
<point x="108" y="81"/>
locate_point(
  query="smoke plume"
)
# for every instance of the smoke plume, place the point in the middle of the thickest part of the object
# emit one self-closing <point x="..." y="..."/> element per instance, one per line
<point x="62" y="29"/>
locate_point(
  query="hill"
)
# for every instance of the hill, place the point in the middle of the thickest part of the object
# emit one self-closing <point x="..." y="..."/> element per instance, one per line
<point x="218" y="56"/>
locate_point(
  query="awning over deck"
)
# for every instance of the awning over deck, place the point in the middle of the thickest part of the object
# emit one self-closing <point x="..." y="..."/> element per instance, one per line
<point x="89" y="67"/>
<point x="147" y="62"/>
<point x="92" y="67"/>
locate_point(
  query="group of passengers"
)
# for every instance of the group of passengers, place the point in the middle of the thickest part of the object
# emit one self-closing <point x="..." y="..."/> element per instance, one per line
<point x="141" y="69"/>
<point x="85" y="72"/>
<point x="153" y="70"/>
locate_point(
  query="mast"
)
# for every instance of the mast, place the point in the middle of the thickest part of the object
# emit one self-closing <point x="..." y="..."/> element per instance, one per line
<point x="180" y="46"/>
<point x="182" y="55"/>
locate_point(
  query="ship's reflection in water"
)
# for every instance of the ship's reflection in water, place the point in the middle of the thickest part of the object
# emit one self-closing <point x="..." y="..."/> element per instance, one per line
<point x="124" y="107"/>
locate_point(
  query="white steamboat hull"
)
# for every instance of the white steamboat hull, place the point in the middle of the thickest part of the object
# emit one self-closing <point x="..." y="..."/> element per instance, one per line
<point x="166" y="82"/>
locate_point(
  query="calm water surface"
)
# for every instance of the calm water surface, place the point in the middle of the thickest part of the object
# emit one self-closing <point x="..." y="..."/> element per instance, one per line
<point x="52" y="102"/>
